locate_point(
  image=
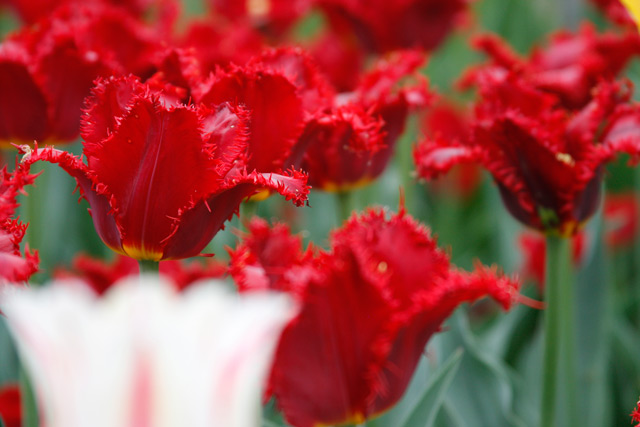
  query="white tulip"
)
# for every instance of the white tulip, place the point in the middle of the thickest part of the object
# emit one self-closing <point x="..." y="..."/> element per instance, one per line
<point x="144" y="355"/>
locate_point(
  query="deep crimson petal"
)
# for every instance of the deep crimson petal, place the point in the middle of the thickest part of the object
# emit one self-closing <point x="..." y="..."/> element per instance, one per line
<point x="269" y="97"/>
<point x="23" y="108"/>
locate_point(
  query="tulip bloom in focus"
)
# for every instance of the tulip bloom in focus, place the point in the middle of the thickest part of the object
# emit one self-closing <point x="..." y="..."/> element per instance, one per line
<point x="368" y="308"/>
<point x="161" y="179"/>
<point x="144" y="355"/>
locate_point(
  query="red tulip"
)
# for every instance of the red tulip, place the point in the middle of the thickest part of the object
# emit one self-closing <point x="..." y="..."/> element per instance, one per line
<point x="161" y="179"/>
<point x="547" y="161"/>
<point x="368" y="308"/>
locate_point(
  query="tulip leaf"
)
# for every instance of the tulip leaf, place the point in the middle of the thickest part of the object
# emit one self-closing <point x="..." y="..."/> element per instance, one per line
<point x="424" y="411"/>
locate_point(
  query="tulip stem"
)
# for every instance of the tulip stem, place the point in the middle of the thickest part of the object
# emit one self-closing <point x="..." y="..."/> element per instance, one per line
<point x="28" y="402"/>
<point x="148" y="266"/>
<point x="248" y="210"/>
<point x="559" y="339"/>
<point x="345" y="205"/>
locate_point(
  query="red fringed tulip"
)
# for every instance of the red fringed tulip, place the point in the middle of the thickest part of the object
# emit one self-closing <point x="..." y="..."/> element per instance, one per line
<point x="162" y="179"/>
<point x="351" y="142"/>
<point x="11" y="405"/>
<point x="14" y="266"/>
<point x="368" y="308"/>
<point x="569" y="67"/>
<point x="547" y="161"/>
<point x="47" y="71"/>
<point x="383" y="26"/>
<point x="100" y="275"/>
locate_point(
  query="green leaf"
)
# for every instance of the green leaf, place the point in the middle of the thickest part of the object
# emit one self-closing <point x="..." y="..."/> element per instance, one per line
<point x="424" y="410"/>
<point x="483" y="392"/>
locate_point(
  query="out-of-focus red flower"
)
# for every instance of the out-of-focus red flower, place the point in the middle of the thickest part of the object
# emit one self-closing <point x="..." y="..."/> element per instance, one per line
<point x="383" y="26"/>
<point x="100" y="275"/>
<point x="14" y="266"/>
<point x="570" y="66"/>
<point x="615" y="11"/>
<point x="447" y="122"/>
<point x="336" y="365"/>
<point x="547" y="161"/>
<point x="274" y="17"/>
<point x="217" y="45"/>
<point x="635" y="415"/>
<point x="534" y="250"/>
<point x="162" y="178"/>
<point x="621" y="213"/>
<point x="30" y="11"/>
<point x="340" y="59"/>
<point x="47" y="71"/>
<point x="11" y="405"/>
<point x="350" y="143"/>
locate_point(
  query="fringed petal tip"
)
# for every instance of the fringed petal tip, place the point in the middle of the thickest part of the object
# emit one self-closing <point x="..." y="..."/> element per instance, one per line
<point x="292" y="184"/>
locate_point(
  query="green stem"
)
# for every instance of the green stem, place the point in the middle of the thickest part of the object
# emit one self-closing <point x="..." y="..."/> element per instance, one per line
<point x="345" y="205"/>
<point x="248" y="210"/>
<point x="29" y="405"/>
<point x="148" y="266"/>
<point x="559" y="329"/>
